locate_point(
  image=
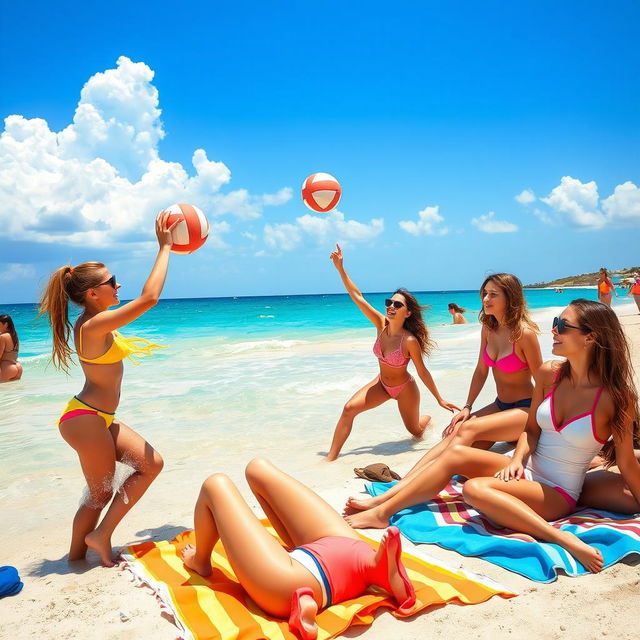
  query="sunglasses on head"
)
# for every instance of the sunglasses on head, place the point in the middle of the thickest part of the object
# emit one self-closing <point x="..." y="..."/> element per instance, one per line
<point x="111" y="281"/>
<point x="560" y="324"/>
<point x="396" y="304"/>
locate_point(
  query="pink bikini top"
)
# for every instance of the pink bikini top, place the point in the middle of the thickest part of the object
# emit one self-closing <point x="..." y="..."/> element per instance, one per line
<point x="508" y="364"/>
<point x="395" y="358"/>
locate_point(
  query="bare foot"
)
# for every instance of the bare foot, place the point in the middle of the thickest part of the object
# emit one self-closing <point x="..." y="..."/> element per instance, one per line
<point x="188" y="554"/>
<point x="589" y="557"/>
<point x="303" y="614"/>
<point x="389" y="571"/>
<point x="102" y="546"/>
<point x="354" y="505"/>
<point x="370" y="519"/>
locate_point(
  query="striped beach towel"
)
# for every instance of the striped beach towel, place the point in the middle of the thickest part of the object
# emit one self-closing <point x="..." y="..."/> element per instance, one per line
<point x="218" y="608"/>
<point x="450" y="523"/>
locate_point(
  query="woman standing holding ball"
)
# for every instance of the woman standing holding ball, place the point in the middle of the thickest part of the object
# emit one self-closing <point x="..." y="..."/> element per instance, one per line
<point x="88" y="423"/>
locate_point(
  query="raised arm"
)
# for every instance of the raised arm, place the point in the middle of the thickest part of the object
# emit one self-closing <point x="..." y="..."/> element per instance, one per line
<point x="415" y="354"/>
<point x="107" y="321"/>
<point x="375" y="317"/>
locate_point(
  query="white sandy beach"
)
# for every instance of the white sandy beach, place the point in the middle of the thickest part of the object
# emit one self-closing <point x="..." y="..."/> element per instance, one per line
<point x="86" y="601"/>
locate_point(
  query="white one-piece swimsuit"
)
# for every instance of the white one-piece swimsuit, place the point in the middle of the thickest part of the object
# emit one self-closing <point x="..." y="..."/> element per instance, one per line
<point x="564" y="452"/>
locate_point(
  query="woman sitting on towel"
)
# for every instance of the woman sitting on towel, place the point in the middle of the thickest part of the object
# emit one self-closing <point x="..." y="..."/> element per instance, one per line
<point x="328" y="562"/>
<point x="402" y="337"/>
<point x="578" y="405"/>
<point x="88" y="422"/>
<point x="509" y="347"/>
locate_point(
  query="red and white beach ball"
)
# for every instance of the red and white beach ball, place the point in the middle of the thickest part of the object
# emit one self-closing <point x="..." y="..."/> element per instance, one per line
<point x="321" y="192"/>
<point x="192" y="230"/>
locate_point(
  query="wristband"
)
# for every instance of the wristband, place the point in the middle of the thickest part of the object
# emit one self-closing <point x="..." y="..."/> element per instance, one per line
<point x="467" y="406"/>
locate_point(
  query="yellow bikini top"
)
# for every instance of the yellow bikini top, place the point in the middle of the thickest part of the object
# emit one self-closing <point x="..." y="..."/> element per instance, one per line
<point x="122" y="348"/>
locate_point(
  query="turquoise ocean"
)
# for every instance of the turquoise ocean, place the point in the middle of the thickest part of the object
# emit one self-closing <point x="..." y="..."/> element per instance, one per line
<point x="242" y="377"/>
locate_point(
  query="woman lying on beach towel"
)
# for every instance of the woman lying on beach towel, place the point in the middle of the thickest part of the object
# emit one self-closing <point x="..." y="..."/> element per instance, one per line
<point x="402" y="337"/>
<point x="88" y="423"/>
<point x="509" y="347"/>
<point x="578" y="405"/>
<point x="328" y="563"/>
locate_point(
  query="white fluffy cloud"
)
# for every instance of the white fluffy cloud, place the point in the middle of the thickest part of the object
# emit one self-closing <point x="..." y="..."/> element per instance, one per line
<point x="526" y="196"/>
<point x="624" y="205"/>
<point x="16" y="271"/>
<point x="427" y="224"/>
<point x="100" y="180"/>
<point x="320" y="229"/>
<point x="577" y="202"/>
<point x="488" y="224"/>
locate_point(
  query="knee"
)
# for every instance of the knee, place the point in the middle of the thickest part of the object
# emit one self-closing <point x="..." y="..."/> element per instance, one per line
<point x="474" y="489"/>
<point x="99" y="497"/>
<point x="257" y="468"/>
<point x="215" y="483"/>
<point x="465" y="435"/>
<point x="350" y="410"/>
<point x="156" y="466"/>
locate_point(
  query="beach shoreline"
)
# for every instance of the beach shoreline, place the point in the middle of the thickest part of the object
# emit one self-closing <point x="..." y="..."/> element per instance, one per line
<point x="59" y="601"/>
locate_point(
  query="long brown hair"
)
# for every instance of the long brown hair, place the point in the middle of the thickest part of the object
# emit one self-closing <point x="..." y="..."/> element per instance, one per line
<point x="11" y="329"/>
<point x="456" y="308"/>
<point x="67" y="283"/>
<point x="516" y="316"/>
<point x="415" y="322"/>
<point x="611" y="364"/>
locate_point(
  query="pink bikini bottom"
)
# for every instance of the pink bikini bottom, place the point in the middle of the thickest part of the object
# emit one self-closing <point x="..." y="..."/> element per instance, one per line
<point x="394" y="392"/>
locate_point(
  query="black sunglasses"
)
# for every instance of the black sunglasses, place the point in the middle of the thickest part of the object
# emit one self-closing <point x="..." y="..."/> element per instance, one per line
<point x="111" y="281"/>
<point x="560" y="324"/>
<point x="393" y="303"/>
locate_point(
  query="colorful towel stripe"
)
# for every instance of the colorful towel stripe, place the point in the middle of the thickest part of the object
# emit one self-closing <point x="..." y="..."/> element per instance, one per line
<point x="450" y="523"/>
<point x="218" y="608"/>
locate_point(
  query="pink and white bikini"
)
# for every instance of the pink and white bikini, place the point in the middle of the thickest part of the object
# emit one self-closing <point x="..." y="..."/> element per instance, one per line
<point x="562" y="456"/>
<point x="395" y="359"/>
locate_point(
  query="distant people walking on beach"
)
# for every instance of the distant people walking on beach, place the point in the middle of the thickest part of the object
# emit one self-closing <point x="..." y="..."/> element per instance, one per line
<point x="509" y="346"/>
<point x="605" y="287"/>
<point x="578" y="405"/>
<point x="88" y="423"/>
<point x="10" y="368"/>
<point x="402" y="337"/>
<point x="634" y="289"/>
<point x="456" y="313"/>
<point x="328" y="562"/>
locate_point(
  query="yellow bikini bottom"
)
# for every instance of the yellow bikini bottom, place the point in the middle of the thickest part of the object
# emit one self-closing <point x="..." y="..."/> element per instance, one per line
<point x="76" y="407"/>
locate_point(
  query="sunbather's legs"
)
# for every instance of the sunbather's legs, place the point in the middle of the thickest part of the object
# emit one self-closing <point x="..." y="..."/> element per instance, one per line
<point x="608" y="490"/>
<point x="263" y="567"/>
<point x="526" y="506"/>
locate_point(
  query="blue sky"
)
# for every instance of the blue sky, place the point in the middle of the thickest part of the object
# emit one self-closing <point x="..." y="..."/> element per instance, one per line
<point x="449" y="109"/>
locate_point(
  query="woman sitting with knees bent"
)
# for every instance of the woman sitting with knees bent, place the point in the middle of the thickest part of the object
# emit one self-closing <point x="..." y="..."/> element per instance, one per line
<point x="88" y="423"/>
<point x="509" y="347"/>
<point x="402" y="337"/>
<point x="577" y="406"/>
<point x="328" y="562"/>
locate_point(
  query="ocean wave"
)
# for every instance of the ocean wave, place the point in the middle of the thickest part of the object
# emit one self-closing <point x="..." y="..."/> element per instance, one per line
<point x="260" y="345"/>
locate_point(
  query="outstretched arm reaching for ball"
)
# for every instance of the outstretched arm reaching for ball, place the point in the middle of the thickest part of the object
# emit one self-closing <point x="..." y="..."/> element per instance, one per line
<point x="110" y="320"/>
<point x="374" y="316"/>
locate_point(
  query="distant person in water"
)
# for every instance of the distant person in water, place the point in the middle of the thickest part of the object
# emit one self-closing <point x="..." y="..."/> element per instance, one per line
<point x="634" y="289"/>
<point x="456" y="313"/>
<point x="10" y="368"/>
<point x="605" y="287"/>
<point x="402" y="337"/>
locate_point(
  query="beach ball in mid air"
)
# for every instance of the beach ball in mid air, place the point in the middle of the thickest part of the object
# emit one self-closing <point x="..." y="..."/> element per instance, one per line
<point x="321" y="192"/>
<point x="192" y="230"/>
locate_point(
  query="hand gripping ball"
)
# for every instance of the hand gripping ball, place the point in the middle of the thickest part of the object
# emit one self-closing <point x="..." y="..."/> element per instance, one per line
<point x="192" y="230"/>
<point x="321" y="192"/>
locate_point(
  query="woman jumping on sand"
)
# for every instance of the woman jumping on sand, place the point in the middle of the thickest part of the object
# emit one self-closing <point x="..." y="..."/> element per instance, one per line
<point x="328" y="562"/>
<point x="88" y="423"/>
<point x="509" y="347"/>
<point x="402" y="337"/>
<point x="577" y="406"/>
